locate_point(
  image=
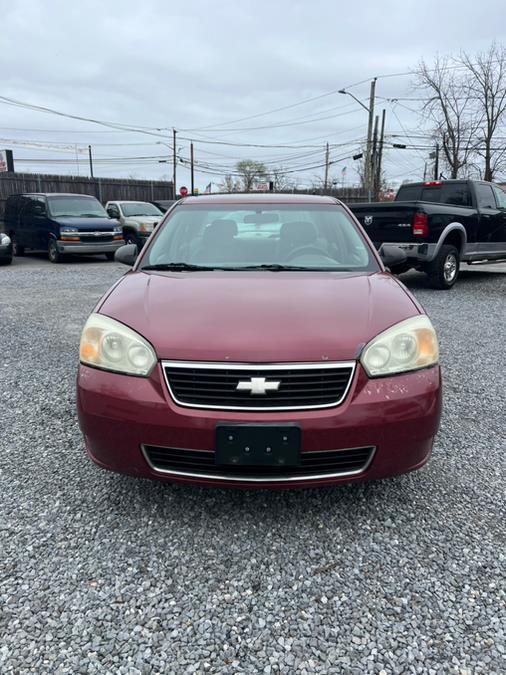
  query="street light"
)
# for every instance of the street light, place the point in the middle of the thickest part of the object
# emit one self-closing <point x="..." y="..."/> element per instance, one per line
<point x="370" y="111"/>
<point x="343" y="91"/>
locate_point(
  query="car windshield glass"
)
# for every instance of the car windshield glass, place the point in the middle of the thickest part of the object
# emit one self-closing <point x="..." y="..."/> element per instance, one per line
<point x="140" y="209"/>
<point x="261" y="237"/>
<point x="83" y="207"/>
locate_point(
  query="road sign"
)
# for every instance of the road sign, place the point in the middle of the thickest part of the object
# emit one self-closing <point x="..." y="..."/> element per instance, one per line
<point x="183" y="191"/>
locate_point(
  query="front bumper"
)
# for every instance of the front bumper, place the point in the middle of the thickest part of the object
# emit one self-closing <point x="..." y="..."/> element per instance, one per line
<point x="99" y="247"/>
<point x="120" y="415"/>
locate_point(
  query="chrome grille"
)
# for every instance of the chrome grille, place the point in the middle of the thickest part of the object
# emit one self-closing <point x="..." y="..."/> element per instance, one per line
<point x="313" y="465"/>
<point x="301" y="386"/>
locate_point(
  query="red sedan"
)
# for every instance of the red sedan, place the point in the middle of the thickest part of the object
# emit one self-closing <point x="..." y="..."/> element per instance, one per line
<point x="258" y="341"/>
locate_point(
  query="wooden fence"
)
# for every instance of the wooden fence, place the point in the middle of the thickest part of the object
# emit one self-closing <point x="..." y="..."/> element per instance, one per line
<point x="103" y="189"/>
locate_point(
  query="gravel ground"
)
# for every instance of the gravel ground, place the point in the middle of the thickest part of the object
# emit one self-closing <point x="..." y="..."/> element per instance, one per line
<point x="101" y="573"/>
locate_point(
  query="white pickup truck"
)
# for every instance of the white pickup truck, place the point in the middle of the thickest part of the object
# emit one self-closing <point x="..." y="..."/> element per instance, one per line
<point x="138" y="219"/>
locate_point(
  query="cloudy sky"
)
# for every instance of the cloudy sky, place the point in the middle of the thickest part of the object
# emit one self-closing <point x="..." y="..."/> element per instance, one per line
<point x="230" y="75"/>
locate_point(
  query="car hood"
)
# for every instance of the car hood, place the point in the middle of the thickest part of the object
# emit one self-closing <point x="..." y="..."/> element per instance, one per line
<point x="258" y="316"/>
<point x="144" y="219"/>
<point x="90" y="224"/>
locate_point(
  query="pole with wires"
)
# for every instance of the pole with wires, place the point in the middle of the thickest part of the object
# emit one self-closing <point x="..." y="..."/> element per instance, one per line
<point x="91" y="160"/>
<point x="326" y="179"/>
<point x="374" y="157"/>
<point x="377" y="186"/>
<point x="192" y="185"/>
<point x="368" y="150"/>
<point x="174" y="162"/>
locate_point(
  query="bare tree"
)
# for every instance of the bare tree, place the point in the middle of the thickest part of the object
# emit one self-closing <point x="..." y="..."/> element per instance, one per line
<point x="487" y="84"/>
<point x="250" y="172"/>
<point x="451" y="110"/>
<point x="282" y="181"/>
<point x="229" y="184"/>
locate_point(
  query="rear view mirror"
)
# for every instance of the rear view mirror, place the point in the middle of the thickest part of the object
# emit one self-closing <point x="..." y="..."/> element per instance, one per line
<point x="261" y="218"/>
<point x="126" y="254"/>
<point x="392" y="256"/>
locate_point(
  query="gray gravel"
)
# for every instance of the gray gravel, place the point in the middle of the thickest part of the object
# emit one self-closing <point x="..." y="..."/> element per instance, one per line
<point x="101" y="573"/>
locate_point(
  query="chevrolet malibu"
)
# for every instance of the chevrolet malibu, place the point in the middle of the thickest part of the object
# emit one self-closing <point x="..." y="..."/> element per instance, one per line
<point x="259" y="341"/>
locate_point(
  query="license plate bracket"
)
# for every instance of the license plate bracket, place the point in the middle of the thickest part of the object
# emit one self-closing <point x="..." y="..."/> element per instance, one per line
<point x="258" y="444"/>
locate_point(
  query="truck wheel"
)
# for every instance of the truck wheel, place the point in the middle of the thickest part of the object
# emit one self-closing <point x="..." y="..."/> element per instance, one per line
<point x="444" y="269"/>
<point x="53" y="253"/>
<point x="110" y="255"/>
<point x="16" y="248"/>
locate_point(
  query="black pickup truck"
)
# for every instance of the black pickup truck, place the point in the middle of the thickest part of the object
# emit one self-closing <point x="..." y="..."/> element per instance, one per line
<point x="440" y="224"/>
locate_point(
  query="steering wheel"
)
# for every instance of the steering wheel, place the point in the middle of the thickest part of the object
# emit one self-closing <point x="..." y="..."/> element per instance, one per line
<point x="302" y="250"/>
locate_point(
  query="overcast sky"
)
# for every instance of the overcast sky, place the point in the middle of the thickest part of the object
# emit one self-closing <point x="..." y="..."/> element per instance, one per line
<point x="201" y="66"/>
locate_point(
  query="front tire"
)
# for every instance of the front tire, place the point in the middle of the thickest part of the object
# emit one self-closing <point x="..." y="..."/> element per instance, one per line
<point x="17" y="250"/>
<point x="443" y="271"/>
<point x="110" y="255"/>
<point x="131" y="238"/>
<point x="53" y="253"/>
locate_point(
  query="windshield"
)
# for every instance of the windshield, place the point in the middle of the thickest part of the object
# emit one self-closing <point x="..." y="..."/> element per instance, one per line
<point x="84" y="207"/>
<point x="139" y="209"/>
<point x="306" y="237"/>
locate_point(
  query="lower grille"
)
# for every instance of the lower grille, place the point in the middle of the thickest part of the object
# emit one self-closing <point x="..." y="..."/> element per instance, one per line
<point x="313" y="465"/>
<point x="234" y="386"/>
<point x="96" y="239"/>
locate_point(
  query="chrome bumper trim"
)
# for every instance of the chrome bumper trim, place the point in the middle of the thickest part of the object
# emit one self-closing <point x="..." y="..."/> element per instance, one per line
<point x="99" y="247"/>
<point x="253" y="479"/>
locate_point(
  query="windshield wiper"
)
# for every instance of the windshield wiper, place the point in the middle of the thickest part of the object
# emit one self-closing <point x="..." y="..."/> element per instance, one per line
<point x="272" y="267"/>
<point x="179" y="267"/>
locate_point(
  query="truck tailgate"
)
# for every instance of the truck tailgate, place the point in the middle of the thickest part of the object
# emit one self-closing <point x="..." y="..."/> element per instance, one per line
<point x="386" y="221"/>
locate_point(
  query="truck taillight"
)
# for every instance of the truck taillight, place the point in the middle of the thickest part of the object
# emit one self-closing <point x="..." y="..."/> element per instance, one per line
<point x="421" y="225"/>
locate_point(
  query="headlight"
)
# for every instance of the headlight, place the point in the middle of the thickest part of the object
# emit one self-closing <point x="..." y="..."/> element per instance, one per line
<point x="67" y="229"/>
<point x="145" y="227"/>
<point x="4" y="239"/>
<point x="108" y="344"/>
<point x="409" y="345"/>
<point x="117" y="229"/>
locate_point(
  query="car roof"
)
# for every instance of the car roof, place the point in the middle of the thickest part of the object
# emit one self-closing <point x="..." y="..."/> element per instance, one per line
<point x="52" y="194"/>
<point x="259" y="198"/>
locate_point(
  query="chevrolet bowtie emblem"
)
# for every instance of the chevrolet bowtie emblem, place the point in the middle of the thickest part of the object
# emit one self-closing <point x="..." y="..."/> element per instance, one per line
<point x="258" y="385"/>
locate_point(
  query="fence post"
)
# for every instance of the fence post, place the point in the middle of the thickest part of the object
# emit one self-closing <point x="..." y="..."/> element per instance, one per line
<point x="99" y="190"/>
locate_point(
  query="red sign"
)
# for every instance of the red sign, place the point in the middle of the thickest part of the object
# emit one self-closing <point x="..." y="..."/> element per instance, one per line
<point x="183" y="191"/>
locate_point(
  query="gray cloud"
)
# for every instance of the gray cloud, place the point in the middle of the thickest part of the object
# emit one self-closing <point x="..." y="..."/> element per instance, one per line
<point x="158" y="64"/>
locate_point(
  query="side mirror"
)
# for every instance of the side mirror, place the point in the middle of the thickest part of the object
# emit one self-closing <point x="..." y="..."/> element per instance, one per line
<point x="126" y="254"/>
<point x="39" y="210"/>
<point x="112" y="213"/>
<point x="392" y="256"/>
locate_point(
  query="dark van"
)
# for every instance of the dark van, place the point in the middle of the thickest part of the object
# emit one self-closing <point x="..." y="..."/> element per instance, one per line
<point x="61" y="224"/>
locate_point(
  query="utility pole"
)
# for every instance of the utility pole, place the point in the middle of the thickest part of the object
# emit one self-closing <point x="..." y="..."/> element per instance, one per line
<point x="436" y="163"/>
<point x="91" y="160"/>
<point x="425" y="171"/>
<point x="191" y="167"/>
<point x="326" y="180"/>
<point x="374" y="156"/>
<point x="368" y="153"/>
<point x="174" y="162"/>
<point x="380" y="156"/>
